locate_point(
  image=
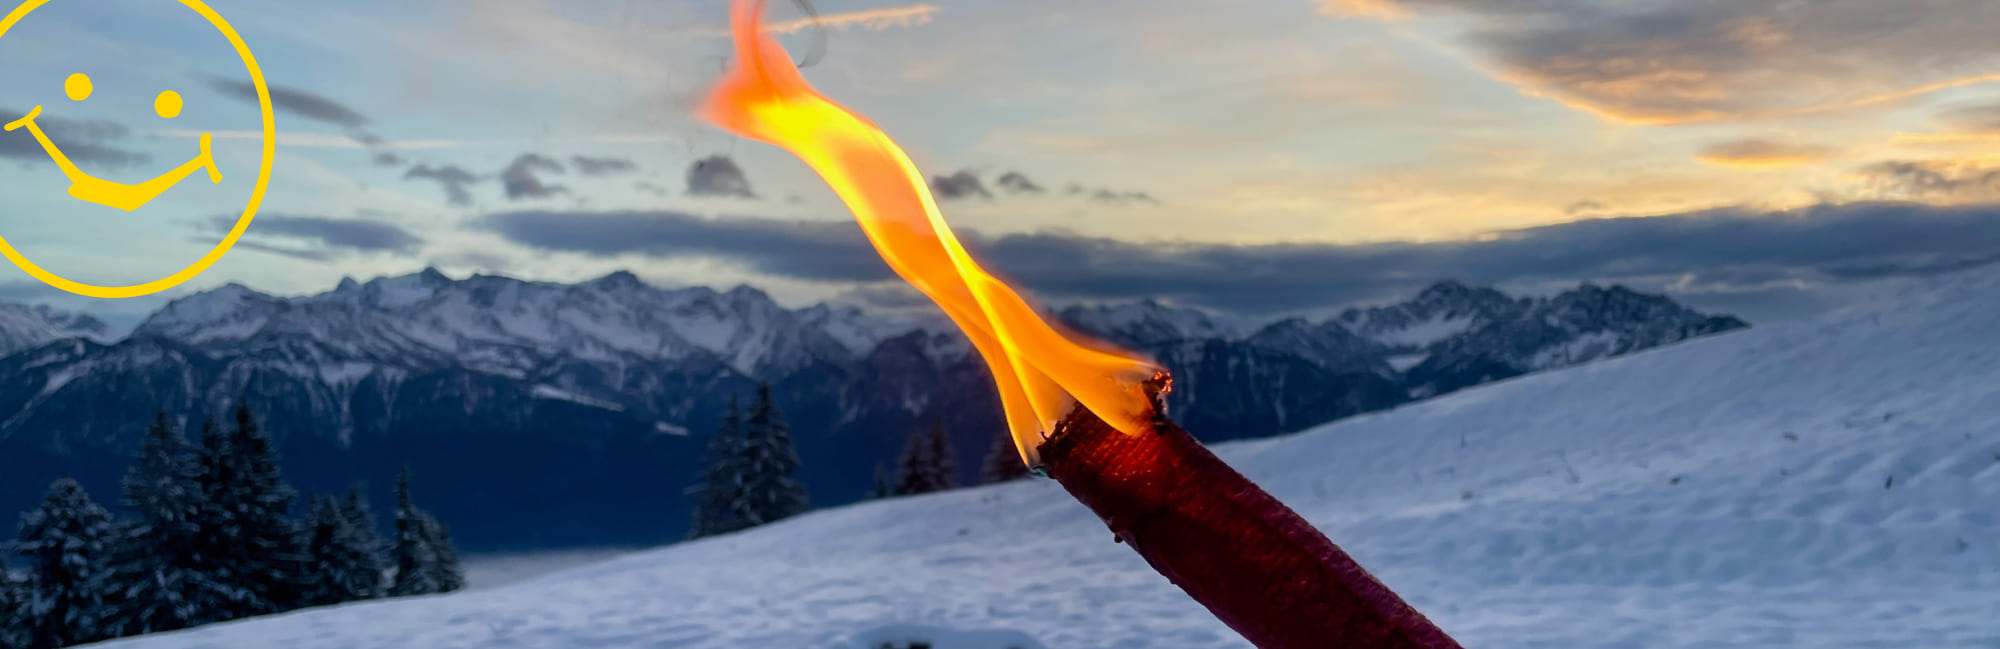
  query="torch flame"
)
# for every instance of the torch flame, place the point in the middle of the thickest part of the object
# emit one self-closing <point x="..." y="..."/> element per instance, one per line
<point x="1040" y="372"/>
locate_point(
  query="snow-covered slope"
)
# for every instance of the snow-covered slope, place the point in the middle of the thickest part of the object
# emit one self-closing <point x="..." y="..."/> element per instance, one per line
<point x="1823" y="484"/>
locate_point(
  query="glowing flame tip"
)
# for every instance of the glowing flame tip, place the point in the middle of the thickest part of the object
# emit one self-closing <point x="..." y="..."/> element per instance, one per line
<point x="1041" y="373"/>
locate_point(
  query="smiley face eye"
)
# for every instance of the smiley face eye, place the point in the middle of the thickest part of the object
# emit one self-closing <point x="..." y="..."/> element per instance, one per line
<point x="168" y="104"/>
<point x="77" y="86"/>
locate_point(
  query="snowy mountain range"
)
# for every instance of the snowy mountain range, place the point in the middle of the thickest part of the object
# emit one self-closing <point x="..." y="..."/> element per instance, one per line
<point x="23" y="327"/>
<point x="1826" y="483"/>
<point x="537" y="393"/>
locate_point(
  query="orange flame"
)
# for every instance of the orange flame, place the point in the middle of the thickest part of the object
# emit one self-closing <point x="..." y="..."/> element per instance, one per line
<point x="1040" y="371"/>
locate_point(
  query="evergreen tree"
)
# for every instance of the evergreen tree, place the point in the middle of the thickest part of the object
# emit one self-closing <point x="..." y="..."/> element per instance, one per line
<point x="13" y="610"/>
<point x="247" y="537"/>
<point x="346" y="564"/>
<point x="426" y="562"/>
<point x="412" y="552"/>
<point x="448" y="573"/>
<point x="64" y="542"/>
<point x="885" y="486"/>
<point x="322" y="531"/>
<point x="363" y="579"/>
<point x="926" y="464"/>
<point x="155" y="576"/>
<point x="1003" y="461"/>
<point x="722" y="483"/>
<point x="768" y="460"/>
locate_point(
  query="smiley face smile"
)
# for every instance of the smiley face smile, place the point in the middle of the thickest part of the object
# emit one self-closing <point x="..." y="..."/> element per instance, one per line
<point x="92" y="189"/>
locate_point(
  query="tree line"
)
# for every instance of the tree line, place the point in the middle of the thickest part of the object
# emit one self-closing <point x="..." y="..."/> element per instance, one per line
<point x="748" y="476"/>
<point x="926" y="464"/>
<point x="747" y="480"/>
<point x="208" y="535"/>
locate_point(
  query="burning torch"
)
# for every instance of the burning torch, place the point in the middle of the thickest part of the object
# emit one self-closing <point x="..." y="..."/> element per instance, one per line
<point x="1090" y="416"/>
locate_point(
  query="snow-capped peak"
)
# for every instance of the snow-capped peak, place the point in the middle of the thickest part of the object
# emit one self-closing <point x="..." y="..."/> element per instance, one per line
<point x="860" y="330"/>
<point x="229" y="312"/>
<point x="490" y="321"/>
<point x="1443" y="310"/>
<point x="23" y="326"/>
<point x="1145" y="322"/>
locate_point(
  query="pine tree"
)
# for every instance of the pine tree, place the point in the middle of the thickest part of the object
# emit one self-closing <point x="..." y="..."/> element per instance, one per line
<point x="346" y="564"/>
<point x="363" y="579"/>
<point x="769" y="459"/>
<point x="926" y="463"/>
<point x="248" y="537"/>
<point x="913" y="474"/>
<point x="944" y="463"/>
<point x="155" y="577"/>
<point x="412" y="551"/>
<point x="323" y="528"/>
<point x="13" y="611"/>
<point x="722" y="483"/>
<point x="885" y="486"/>
<point x="448" y="573"/>
<point x="426" y="562"/>
<point x="1003" y="461"/>
<point x="64" y="542"/>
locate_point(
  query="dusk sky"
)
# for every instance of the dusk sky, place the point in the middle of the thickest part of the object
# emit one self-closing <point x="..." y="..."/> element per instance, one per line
<point x="1764" y="157"/>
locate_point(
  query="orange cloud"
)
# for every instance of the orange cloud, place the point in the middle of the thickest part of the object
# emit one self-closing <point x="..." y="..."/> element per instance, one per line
<point x="1947" y="181"/>
<point x="1370" y="9"/>
<point x="1748" y="60"/>
<point x="1763" y="154"/>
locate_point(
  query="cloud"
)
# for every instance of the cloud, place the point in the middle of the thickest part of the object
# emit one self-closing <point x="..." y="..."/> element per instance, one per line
<point x="324" y="237"/>
<point x="829" y="250"/>
<point x="521" y="183"/>
<point x="1583" y="207"/>
<point x="605" y="166"/>
<point x="1700" y="61"/>
<point x="1375" y="9"/>
<point x="653" y="188"/>
<point x="83" y="141"/>
<point x="1107" y="195"/>
<point x="964" y="184"/>
<point x="306" y="254"/>
<point x="1016" y="182"/>
<point x="1933" y="179"/>
<point x="1763" y="154"/>
<point x="25" y="291"/>
<point x="1715" y="251"/>
<point x="454" y="179"/>
<point x="868" y="19"/>
<point x="717" y="175"/>
<point x="316" y="107"/>
<point x="1972" y="119"/>
<point x="886" y="295"/>
<point x="293" y="101"/>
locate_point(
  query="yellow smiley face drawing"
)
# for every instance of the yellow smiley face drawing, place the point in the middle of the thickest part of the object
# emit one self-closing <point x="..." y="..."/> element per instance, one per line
<point x="167" y="105"/>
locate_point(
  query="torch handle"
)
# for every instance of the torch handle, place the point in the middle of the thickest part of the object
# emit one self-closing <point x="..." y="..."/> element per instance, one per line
<point x="1256" y="564"/>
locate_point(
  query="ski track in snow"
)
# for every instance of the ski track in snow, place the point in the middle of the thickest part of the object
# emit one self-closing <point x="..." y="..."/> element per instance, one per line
<point x="1724" y="492"/>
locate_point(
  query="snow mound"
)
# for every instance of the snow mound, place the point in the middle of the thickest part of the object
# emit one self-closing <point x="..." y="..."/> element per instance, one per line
<point x="1825" y="484"/>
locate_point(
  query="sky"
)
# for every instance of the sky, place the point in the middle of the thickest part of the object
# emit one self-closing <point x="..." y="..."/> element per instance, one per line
<point x="1761" y="157"/>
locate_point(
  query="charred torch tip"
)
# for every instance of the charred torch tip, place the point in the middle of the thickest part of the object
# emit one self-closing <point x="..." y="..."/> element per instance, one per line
<point x="1156" y="390"/>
